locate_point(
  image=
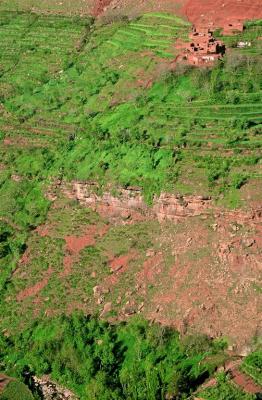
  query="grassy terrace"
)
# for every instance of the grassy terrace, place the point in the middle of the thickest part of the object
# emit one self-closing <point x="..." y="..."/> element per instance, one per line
<point x="69" y="87"/>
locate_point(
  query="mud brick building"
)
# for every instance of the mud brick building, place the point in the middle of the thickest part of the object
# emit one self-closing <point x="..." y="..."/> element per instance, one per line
<point x="203" y="48"/>
<point x="232" y="27"/>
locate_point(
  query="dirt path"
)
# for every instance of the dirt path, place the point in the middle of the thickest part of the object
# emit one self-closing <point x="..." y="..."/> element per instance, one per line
<point x="237" y="377"/>
<point x="244" y="382"/>
<point x="35" y="289"/>
<point x="4" y="380"/>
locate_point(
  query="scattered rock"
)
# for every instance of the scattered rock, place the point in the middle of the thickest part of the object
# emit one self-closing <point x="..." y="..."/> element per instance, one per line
<point x="128" y="311"/>
<point x="100" y="300"/>
<point x="97" y="290"/>
<point x="189" y="241"/>
<point x="235" y="228"/>
<point x="107" y="308"/>
<point x="214" y="227"/>
<point x="244" y="351"/>
<point x="150" y="253"/>
<point x="50" y="390"/>
<point x="231" y="347"/>
<point x="117" y="268"/>
<point x="159" y="308"/>
<point x="248" y="242"/>
<point x="16" y="178"/>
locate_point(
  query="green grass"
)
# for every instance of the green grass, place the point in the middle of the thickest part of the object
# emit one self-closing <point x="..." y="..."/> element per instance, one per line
<point x="16" y="390"/>
<point x="122" y="132"/>
<point x="101" y="361"/>
<point x="252" y="365"/>
<point x="225" y="390"/>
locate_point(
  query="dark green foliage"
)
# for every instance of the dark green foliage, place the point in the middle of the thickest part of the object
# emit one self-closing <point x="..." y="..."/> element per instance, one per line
<point x="252" y="365"/>
<point x="16" y="390"/>
<point x="133" y="361"/>
<point x="12" y="245"/>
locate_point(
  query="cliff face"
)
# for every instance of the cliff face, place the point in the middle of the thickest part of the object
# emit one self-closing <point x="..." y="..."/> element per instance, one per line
<point x="129" y="204"/>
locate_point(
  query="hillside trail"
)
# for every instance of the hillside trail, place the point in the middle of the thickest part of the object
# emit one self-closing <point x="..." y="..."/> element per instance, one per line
<point x="243" y="381"/>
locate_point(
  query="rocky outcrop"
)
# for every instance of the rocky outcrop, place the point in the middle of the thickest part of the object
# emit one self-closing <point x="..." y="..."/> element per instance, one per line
<point x="129" y="205"/>
<point x="50" y="390"/>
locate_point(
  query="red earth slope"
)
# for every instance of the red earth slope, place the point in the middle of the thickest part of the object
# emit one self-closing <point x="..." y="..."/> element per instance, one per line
<point x="216" y="12"/>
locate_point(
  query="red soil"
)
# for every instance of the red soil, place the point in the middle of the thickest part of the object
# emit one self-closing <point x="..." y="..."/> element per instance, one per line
<point x="217" y="264"/>
<point x="245" y="382"/>
<point x="120" y="263"/>
<point x="67" y="262"/>
<point x="25" y="258"/>
<point x="74" y="244"/>
<point x="240" y="379"/>
<point x="42" y="230"/>
<point x="152" y="267"/>
<point x="221" y="12"/>
<point x="118" y="266"/>
<point x="100" y="6"/>
<point x="4" y="380"/>
<point x="7" y="142"/>
<point x="34" y="290"/>
<point x="218" y="13"/>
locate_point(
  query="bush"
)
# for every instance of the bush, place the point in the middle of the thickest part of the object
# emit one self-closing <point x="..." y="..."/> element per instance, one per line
<point x="134" y="360"/>
<point x="16" y="390"/>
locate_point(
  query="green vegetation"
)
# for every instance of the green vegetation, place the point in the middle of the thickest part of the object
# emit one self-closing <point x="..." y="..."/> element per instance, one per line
<point x="12" y="245"/>
<point x="98" y="102"/>
<point x="225" y="390"/>
<point x="16" y="390"/>
<point x="90" y="101"/>
<point x="137" y="360"/>
<point x="252" y="365"/>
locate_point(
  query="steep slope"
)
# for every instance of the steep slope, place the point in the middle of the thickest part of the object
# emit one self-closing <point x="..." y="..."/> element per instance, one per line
<point x="130" y="186"/>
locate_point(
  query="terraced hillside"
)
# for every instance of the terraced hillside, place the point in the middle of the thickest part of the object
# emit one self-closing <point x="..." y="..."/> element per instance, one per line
<point x="129" y="184"/>
<point x="67" y="78"/>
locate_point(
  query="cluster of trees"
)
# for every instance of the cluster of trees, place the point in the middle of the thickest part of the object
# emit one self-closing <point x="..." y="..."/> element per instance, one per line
<point x="135" y="360"/>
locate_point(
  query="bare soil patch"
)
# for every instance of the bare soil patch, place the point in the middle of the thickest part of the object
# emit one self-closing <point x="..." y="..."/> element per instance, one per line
<point x="245" y="382"/>
<point x="220" y="13"/>
<point x="4" y="380"/>
<point x="216" y="13"/>
<point x="35" y="289"/>
<point x="74" y="244"/>
<point x="118" y="266"/>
